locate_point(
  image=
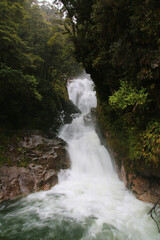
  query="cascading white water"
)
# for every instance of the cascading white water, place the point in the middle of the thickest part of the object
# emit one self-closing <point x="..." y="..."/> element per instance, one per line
<point x="90" y="202"/>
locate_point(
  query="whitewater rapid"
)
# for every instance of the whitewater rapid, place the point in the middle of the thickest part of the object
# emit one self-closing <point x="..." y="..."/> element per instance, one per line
<point x="89" y="202"/>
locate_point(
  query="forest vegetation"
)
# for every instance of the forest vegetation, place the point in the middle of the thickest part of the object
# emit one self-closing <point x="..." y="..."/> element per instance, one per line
<point x="118" y="42"/>
<point x="36" y="60"/>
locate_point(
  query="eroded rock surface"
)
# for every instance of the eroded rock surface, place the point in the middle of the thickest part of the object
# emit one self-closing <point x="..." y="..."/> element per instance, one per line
<point x="145" y="188"/>
<point x="33" y="164"/>
<point x="143" y="181"/>
<point x="50" y="153"/>
<point x="20" y="181"/>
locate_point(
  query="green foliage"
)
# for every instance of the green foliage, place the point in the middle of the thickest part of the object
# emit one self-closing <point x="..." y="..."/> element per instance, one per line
<point x="11" y="45"/>
<point x="4" y="160"/>
<point x="17" y="92"/>
<point x="37" y="58"/>
<point x="127" y="96"/>
<point x="61" y="90"/>
<point x="146" y="147"/>
<point x="10" y="152"/>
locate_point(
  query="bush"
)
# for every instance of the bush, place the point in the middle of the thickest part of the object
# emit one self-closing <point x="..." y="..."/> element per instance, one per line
<point x="147" y="147"/>
<point x="127" y="96"/>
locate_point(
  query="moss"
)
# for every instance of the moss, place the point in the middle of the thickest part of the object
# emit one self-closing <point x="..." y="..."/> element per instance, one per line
<point x="5" y="160"/>
<point x="24" y="162"/>
<point x="20" y="150"/>
<point x="116" y="140"/>
<point x="61" y="90"/>
<point x="10" y="152"/>
<point x="40" y="147"/>
<point x="2" y="148"/>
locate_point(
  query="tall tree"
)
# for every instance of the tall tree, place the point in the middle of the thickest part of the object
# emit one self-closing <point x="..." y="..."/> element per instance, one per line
<point x="11" y="45"/>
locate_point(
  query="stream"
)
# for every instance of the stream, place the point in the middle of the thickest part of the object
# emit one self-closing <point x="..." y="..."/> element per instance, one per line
<point x="89" y="202"/>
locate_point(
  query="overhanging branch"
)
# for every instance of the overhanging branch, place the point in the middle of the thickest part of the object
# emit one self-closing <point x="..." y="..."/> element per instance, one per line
<point x="151" y="212"/>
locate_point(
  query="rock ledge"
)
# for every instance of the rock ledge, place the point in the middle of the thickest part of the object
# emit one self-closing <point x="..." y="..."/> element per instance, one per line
<point x="42" y="157"/>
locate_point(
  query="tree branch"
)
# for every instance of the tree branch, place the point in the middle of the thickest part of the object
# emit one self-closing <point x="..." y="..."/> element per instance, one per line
<point x="151" y="212"/>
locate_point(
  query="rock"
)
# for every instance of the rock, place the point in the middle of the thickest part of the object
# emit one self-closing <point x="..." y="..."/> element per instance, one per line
<point x="68" y="112"/>
<point x="19" y="181"/>
<point x="69" y="109"/>
<point x="26" y="181"/>
<point x="143" y="181"/>
<point x="42" y="158"/>
<point x="90" y="118"/>
<point x="148" y="171"/>
<point x="155" y="64"/>
<point x="50" y="179"/>
<point x="50" y="153"/>
<point x="124" y="176"/>
<point x="146" y="189"/>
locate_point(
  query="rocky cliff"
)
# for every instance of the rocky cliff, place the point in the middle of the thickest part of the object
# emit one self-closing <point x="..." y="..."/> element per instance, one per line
<point x="31" y="163"/>
<point x="144" y="182"/>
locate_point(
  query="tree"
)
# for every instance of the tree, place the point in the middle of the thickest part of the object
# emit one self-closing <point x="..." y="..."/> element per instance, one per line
<point x="11" y="45"/>
<point x="18" y="93"/>
<point x="36" y="59"/>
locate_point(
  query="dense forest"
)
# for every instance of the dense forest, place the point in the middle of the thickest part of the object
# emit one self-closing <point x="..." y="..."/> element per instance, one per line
<point x="118" y="42"/>
<point x="36" y="60"/>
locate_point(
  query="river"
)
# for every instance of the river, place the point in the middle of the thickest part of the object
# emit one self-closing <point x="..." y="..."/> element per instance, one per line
<point x="89" y="202"/>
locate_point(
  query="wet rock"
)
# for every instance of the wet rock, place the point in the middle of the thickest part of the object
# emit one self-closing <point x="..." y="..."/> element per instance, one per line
<point x="19" y="181"/>
<point x="148" y="171"/>
<point x="50" y="179"/>
<point x="50" y="153"/>
<point x="146" y="189"/>
<point x="123" y="176"/>
<point x="42" y="157"/>
<point x="90" y="118"/>
<point x="143" y="181"/>
<point x="69" y="109"/>
<point x="68" y="112"/>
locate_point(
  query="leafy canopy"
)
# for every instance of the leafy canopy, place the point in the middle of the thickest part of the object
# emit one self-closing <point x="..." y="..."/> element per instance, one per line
<point x="127" y="96"/>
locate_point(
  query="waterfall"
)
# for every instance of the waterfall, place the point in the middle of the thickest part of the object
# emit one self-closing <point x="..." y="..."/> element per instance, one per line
<point x="89" y="202"/>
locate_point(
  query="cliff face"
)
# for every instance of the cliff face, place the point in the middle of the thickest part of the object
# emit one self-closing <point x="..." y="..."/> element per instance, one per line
<point x="142" y="180"/>
<point x="145" y="188"/>
<point x="31" y="164"/>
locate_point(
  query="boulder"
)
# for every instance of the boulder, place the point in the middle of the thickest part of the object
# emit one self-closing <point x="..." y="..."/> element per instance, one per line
<point x="67" y="113"/>
<point x="20" y="181"/>
<point x="146" y="189"/>
<point x="33" y="165"/>
<point x="50" y="153"/>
